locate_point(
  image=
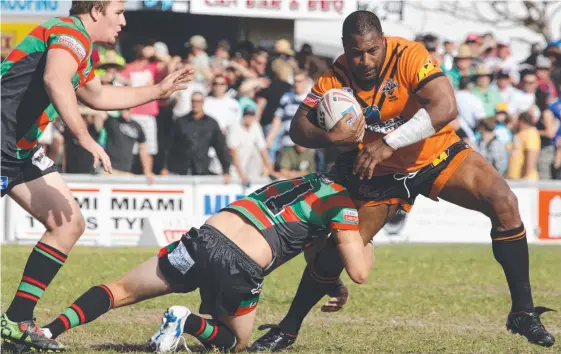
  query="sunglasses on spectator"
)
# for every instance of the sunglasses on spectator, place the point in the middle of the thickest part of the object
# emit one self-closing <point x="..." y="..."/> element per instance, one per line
<point x="219" y="83"/>
<point x="525" y="82"/>
<point x="197" y="101"/>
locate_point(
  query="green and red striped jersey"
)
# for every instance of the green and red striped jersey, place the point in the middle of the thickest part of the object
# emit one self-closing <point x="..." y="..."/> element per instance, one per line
<point x="292" y="214"/>
<point x="26" y="106"/>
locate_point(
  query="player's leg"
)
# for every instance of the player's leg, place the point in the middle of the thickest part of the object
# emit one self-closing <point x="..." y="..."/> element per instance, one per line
<point x="144" y="282"/>
<point x="476" y="185"/>
<point x="318" y="278"/>
<point x="47" y="199"/>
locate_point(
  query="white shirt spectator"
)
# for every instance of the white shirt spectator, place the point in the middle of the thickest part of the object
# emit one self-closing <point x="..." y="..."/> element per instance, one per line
<point x="522" y="102"/>
<point x="248" y="143"/>
<point x="226" y="111"/>
<point x="470" y="111"/>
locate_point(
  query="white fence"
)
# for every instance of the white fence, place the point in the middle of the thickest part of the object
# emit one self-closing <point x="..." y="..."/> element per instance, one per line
<point x="125" y="211"/>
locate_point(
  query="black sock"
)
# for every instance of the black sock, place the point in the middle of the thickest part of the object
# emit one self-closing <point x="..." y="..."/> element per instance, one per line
<point x="42" y="266"/>
<point x="92" y="304"/>
<point x="210" y="333"/>
<point x="510" y="249"/>
<point x="318" y="279"/>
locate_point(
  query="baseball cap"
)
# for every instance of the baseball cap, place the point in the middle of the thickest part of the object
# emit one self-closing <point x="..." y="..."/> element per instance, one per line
<point x="503" y="75"/>
<point x="249" y="111"/>
<point x="501" y="107"/>
<point x="473" y="37"/>
<point x="543" y="62"/>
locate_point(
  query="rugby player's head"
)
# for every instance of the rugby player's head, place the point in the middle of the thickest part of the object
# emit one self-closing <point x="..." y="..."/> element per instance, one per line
<point x="103" y="19"/>
<point x="363" y="41"/>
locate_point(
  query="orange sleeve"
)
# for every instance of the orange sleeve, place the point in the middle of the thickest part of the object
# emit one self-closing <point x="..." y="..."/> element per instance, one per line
<point x="326" y="82"/>
<point x="418" y="67"/>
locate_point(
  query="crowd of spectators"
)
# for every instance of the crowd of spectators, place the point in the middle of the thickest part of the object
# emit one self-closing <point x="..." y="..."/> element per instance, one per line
<point x="235" y="117"/>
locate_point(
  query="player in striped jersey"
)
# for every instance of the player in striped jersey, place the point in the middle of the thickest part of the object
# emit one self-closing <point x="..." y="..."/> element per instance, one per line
<point x="41" y="78"/>
<point x="227" y="259"/>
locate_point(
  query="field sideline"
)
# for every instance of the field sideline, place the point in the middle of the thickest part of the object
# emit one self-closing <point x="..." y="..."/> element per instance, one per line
<point x="418" y="299"/>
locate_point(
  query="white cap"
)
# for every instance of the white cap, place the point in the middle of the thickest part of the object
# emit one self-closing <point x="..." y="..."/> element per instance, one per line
<point x="543" y="62"/>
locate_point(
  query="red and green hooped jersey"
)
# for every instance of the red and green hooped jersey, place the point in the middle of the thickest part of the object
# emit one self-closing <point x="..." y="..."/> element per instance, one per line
<point x="26" y="106"/>
<point x="292" y="214"/>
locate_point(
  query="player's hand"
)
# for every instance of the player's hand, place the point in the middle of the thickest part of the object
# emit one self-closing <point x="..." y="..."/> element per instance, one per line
<point x="369" y="156"/>
<point x="97" y="152"/>
<point x="337" y="302"/>
<point x="176" y="81"/>
<point x="347" y="133"/>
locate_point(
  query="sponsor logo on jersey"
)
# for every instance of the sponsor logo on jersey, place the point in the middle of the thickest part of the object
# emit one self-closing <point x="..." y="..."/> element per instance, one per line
<point x="350" y="215"/>
<point x="3" y="182"/>
<point x="426" y="69"/>
<point x="312" y="100"/>
<point x="324" y="179"/>
<point x="74" y="45"/>
<point x="388" y="87"/>
<point x="385" y="127"/>
<point x="258" y="289"/>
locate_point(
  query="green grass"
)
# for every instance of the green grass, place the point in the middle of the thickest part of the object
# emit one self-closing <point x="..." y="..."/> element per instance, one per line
<point x="418" y="299"/>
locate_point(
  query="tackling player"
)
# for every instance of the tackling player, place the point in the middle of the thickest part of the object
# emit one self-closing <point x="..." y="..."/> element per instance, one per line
<point x="409" y="149"/>
<point x="41" y="77"/>
<point x="227" y="259"/>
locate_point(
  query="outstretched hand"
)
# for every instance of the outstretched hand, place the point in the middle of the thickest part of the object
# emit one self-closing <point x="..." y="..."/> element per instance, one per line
<point x="176" y="81"/>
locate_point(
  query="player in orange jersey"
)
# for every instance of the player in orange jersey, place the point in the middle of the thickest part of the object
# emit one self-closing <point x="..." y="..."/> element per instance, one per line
<point x="408" y="149"/>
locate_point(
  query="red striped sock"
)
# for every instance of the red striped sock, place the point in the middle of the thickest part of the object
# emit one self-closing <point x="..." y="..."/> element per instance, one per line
<point x="210" y="332"/>
<point x="92" y="304"/>
<point x="42" y="266"/>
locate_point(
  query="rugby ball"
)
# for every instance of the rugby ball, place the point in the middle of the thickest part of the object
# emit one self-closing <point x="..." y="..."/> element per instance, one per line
<point x="334" y="105"/>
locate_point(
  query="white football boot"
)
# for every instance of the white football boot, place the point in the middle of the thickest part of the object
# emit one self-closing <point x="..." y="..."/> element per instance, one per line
<point x="170" y="335"/>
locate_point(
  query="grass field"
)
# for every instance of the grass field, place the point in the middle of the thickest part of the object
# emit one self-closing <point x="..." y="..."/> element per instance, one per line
<point x="418" y="299"/>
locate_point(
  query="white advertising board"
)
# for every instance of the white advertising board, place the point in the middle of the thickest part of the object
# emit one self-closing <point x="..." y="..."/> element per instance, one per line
<point x="283" y="9"/>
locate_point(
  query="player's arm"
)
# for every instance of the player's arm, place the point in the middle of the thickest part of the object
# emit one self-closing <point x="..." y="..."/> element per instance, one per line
<point x="108" y="98"/>
<point x="59" y="70"/>
<point x="304" y="130"/>
<point x="352" y="250"/>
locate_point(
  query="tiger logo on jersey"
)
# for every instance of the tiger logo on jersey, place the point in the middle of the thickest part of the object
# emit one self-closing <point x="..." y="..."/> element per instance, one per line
<point x="426" y="69"/>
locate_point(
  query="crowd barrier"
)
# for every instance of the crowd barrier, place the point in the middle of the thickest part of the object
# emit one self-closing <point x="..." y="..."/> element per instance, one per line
<point x="125" y="211"/>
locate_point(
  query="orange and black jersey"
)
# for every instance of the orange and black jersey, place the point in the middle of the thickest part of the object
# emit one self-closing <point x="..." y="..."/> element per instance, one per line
<point x="407" y="68"/>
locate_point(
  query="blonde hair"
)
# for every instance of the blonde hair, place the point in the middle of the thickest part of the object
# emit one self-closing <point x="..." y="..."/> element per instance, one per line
<point x="281" y="69"/>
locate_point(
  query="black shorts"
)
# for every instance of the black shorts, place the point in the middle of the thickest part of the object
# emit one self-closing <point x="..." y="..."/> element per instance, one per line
<point x="16" y="171"/>
<point x="229" y="281"/>
<point x="400" y="188"/>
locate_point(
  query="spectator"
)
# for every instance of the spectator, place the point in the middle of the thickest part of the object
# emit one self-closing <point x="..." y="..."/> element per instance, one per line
<point x="258" y="63"/>
<point x="488" y="95"/>
<point x="502" y="120"/>
<point x="296" y="161"/>
<point x="448" y="55"/>
<point x="142" y="73"/>
<point x="509" y="94"/>
<point x="284" y="51"/>
<point x="470" y="107"/>
<point x="224" y="109"/>
<point x="431" y="44"/>
<point x="553" y="52"/>
<point x="546" y="93"/>
<point x="192" y="136"/>
<point x="268" y="101"/>
<point x="523" y="162"/>
<point x="547" y="126"/>
<point x="503" y="61"/>
<point x="462" y="65"/>
<point x="200" y="59"/>
<point x="526" y="97"/>
<point x="221" y="58"/>
<point x="492" y="149"/>
<point x="475" y="43"/>
<point x="555" y="109"/>
<point x="248" y="148"/>
<point x="289" y="104"/>
<point x="122" y="135"/>
<point x="313" y="64"/>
